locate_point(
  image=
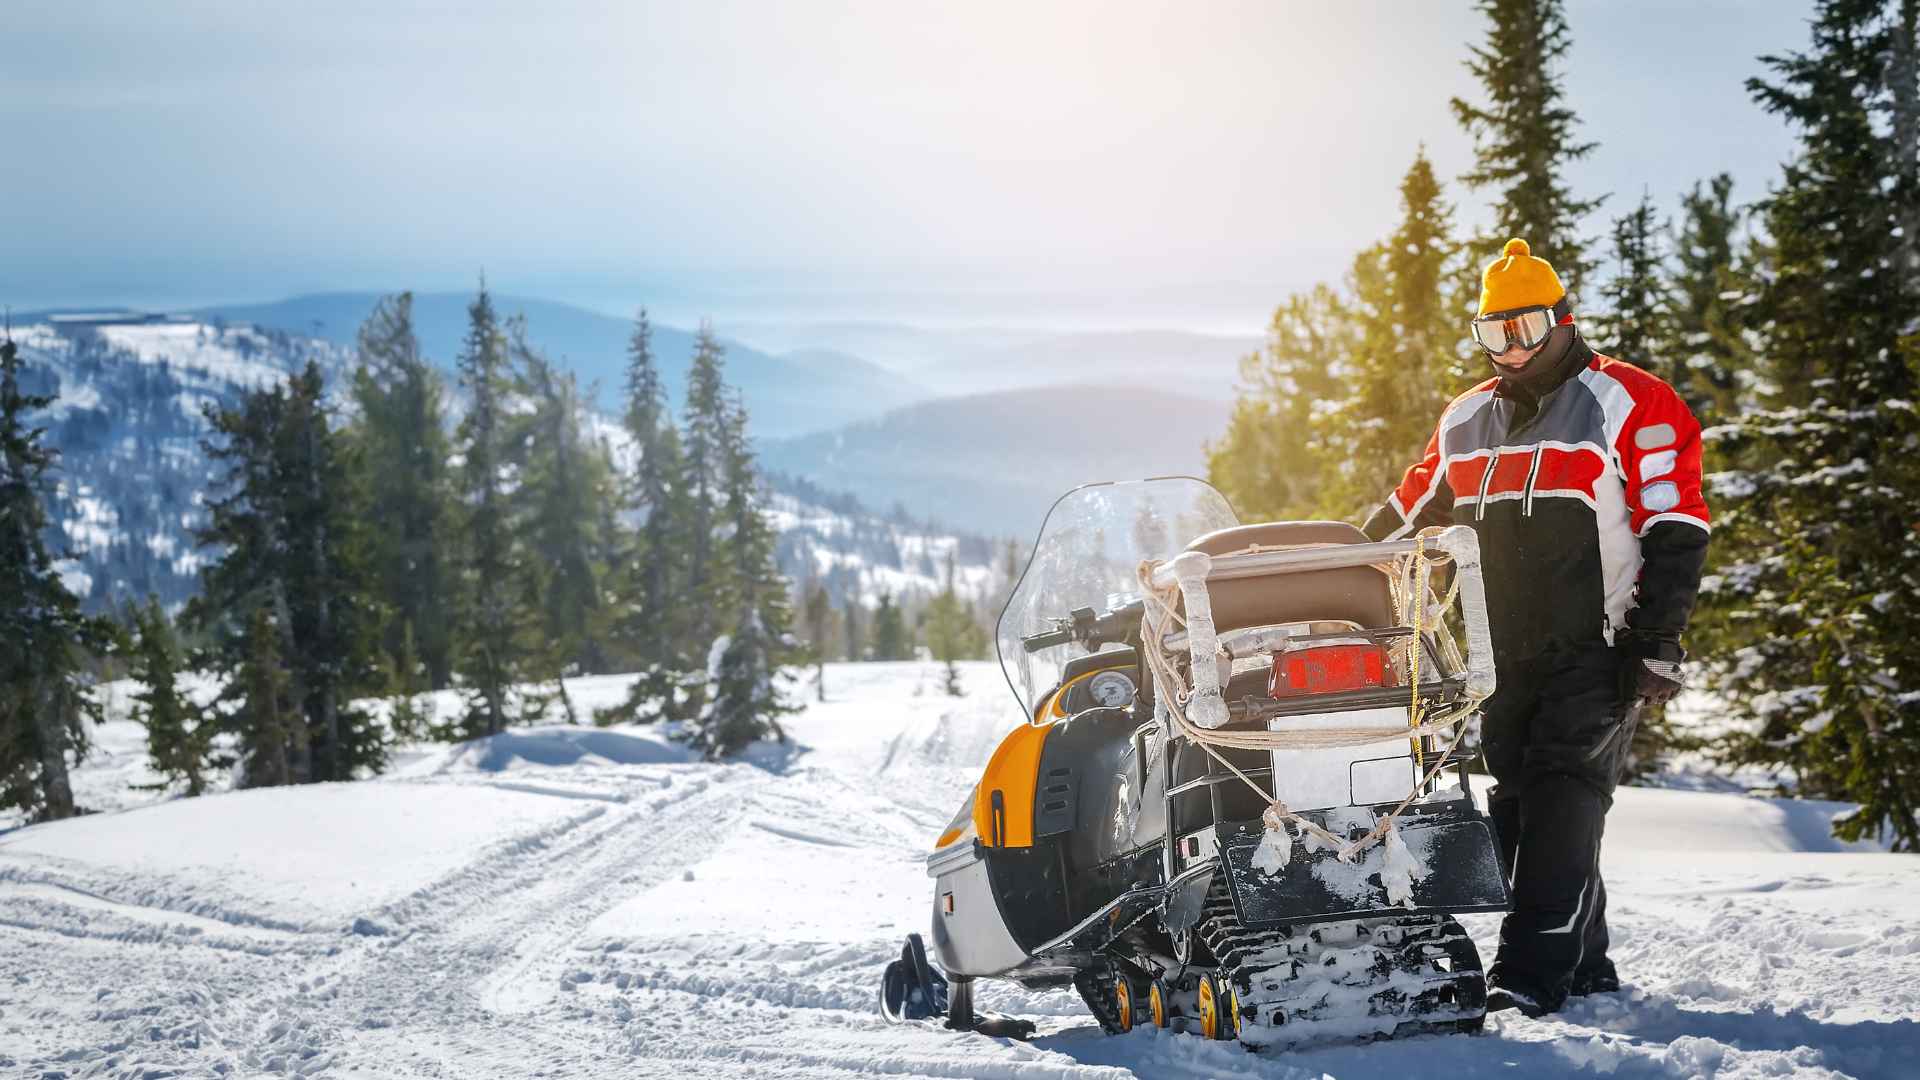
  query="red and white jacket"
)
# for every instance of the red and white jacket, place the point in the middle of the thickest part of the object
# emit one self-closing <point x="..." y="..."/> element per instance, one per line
<point x="1589" y="506"/>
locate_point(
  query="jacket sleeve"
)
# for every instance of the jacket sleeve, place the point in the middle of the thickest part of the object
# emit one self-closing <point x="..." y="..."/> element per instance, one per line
<point x="1659" y="453"/>
<point x="1422" y="499"/>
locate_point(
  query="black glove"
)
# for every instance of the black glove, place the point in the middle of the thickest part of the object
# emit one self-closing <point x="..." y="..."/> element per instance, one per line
<point x="1650" y="666"/>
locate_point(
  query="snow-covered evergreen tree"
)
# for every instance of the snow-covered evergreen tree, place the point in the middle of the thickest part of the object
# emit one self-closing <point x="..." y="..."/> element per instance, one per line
<point x="1814" y="604"/>
<point x="44" y="639"/>
<point x="744" y="701"/>
<point x="1710" y="281"/>
<point x="745" y="697"/>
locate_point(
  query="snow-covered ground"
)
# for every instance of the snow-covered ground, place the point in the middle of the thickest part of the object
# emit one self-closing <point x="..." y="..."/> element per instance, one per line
<point x="584" y="902"/>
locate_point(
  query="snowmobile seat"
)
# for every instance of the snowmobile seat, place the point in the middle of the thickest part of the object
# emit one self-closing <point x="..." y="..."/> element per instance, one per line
<point x="1356" y="594"/>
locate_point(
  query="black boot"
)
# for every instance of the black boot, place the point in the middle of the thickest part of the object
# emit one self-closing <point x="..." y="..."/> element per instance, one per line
<point x="1595" y="978"/>
<point x="1501" y="998"/>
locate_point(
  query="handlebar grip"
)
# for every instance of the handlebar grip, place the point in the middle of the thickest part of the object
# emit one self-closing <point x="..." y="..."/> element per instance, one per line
<point x="1048" y="640"/>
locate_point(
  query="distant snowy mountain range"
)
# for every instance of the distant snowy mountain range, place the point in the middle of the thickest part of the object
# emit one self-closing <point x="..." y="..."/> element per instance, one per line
<point x="133" y="477"/>
<point x="997" y="461"/>
<point x="984" y="359"/>
<point x="792" y="393"/>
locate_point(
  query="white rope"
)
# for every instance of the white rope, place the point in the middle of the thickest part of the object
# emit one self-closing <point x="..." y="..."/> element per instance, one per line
<point x="1410" y="578"/>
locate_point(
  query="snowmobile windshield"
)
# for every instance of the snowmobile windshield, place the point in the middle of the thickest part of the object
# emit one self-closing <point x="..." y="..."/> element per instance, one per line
<point x="1087" y="556"/>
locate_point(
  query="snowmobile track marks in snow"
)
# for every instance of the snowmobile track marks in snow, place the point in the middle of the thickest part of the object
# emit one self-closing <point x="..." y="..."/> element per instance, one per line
<point x="636" y="849"/>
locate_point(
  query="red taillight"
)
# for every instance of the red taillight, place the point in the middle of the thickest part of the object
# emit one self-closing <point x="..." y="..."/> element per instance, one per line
<point x="1327" y="669"/>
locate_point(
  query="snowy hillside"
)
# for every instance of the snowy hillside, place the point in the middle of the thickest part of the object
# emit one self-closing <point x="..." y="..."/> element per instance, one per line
<point x="584" y="902"/>
<point x="127" y="422"/>
<point x="857" y="553"/>
<point x="132" y="474"/>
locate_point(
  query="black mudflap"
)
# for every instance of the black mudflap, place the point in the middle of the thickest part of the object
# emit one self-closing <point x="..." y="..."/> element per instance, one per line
<point x="1463" y="874"/>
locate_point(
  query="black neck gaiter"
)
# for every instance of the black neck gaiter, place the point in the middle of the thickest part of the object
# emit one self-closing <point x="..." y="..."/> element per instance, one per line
<point x="1565" y="354"/>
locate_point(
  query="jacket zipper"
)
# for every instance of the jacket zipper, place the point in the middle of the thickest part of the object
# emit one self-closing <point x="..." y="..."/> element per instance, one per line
<point x="1480" y="512"/>
<point x="1526" y="506"/>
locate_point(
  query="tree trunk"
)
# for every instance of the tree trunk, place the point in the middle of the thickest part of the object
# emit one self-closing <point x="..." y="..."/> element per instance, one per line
<point x="50" y="718"/>
<point x="1903" y="79"/>
<point x="295" y="736"/>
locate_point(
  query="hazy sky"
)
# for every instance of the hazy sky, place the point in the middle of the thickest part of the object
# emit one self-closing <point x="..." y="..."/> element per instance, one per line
<point x="1154" y="163"/>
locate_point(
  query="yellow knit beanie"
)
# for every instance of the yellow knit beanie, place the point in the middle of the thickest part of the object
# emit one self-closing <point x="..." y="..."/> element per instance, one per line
<point x="1518" y="280"/>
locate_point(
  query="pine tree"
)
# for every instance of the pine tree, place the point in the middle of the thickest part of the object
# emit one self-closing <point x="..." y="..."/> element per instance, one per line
<point x="406" y="681"/>
<point x="1638" y="303"/>
<point x="401" y="435"/>
<point x="258" y="706"/>
<point x="952" y="634"/>
<point x="1524" y="143"/>
<point x="891" y="641"/>
<point x="753" y="568"/>
<point x="646" y="622"/>
<point x="1269" y="463"/>
<point x="44" y="639"/>
<point x="1012" y="566"/>
<point x="1814" y="616"/>
<point x="853" y="616"/>
<point x="704" y="437"/>
<point x="744" y="698"/>
<point x="1711" y="275"/>
<point x="179" y="734"/>
<point x="743" y="702"/>
<point x="555" y="508"/>
<point x="493" y="634"/>
<point x="1637" y="327"/>
<point x="818" y="611"/>
<point x="291" y="523"/>
<point x="1402" y="370"/>
<point x="329" y="589"/>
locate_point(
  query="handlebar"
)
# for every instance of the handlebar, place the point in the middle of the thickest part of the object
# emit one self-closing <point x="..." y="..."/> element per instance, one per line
<point x="1048" y="640"/>
<point x="1090" y="629"/>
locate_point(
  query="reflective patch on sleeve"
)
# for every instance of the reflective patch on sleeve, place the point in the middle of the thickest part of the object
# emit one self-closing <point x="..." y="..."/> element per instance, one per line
<point x="1654" y="436"/>
<point x="1659" y="464"/>
<point x="1664" y="495"/>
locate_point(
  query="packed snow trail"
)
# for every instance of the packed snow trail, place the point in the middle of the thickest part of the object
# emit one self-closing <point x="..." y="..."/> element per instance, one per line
<point x="586" y="902"/>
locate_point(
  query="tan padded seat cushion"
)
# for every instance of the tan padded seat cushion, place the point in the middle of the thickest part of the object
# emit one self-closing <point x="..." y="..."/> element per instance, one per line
<point x="1358" y="594"/>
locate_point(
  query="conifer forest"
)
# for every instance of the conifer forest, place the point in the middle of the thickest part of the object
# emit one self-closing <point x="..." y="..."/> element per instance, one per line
<point x="1095" y="539"/>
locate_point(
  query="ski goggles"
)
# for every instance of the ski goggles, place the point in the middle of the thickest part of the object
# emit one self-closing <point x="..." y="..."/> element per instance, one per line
<point x="1527" y="329"/>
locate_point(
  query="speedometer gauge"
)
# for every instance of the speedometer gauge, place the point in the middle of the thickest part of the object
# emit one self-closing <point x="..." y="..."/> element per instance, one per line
<point x="1111" y="688"/>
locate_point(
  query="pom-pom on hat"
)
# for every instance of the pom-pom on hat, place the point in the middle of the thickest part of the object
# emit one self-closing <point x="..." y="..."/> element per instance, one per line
<point x="1518" y="280"/>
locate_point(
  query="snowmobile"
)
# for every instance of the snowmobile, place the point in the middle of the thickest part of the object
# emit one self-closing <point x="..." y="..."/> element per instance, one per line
<point x="1228" y="809"/>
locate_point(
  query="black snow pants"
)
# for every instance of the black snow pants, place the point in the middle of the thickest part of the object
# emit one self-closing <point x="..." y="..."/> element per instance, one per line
<point x="1556" y="736"/>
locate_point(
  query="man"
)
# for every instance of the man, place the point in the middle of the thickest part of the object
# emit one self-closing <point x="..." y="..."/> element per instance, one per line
<point x="1582" y="476"/>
